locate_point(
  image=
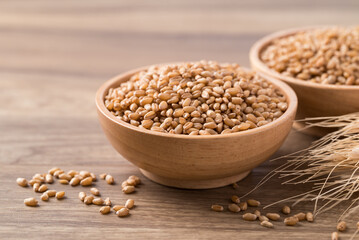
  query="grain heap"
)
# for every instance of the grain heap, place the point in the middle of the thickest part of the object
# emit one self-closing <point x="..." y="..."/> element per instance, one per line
<point x="265" y="220"/>
<point x="198" y="98"/>
<point x="327" y="56"/>
<point x="84" y="178"/>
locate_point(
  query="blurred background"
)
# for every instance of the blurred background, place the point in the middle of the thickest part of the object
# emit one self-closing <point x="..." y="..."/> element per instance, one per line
<point x="105" y="37"/>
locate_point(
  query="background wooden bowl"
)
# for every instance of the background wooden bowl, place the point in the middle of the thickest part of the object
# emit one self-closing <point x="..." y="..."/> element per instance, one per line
<point x="194" y="162"/>
<point x="314" y="99"/>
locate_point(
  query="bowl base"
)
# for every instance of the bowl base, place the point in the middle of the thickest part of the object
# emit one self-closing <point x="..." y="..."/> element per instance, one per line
<point x="194" y="184"/>
<point x="313" y="131"/>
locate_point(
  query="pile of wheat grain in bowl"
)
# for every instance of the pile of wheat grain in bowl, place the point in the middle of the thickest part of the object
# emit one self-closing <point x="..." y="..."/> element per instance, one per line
<point x="326" y="55"/>
<point x="196" y="98"/>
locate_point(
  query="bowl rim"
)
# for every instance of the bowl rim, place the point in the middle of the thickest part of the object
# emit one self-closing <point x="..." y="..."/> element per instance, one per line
<point x="114" y="82"/>
<point x="260" y="66"/>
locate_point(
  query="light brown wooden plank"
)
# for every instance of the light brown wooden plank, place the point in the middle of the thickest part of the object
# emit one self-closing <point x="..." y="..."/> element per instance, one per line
<point x="53" y="57"/>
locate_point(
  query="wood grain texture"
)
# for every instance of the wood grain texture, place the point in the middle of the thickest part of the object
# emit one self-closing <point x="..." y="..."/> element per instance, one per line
<point x="54" y="56"/>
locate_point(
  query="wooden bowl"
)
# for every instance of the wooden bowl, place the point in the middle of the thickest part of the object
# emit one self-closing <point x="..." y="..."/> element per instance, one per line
<point x="194" y="162"/>
<point x="314" y="99"/>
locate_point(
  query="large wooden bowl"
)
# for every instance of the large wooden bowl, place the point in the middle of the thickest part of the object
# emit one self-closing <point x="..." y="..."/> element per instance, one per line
<point x="194" y="162"/>
<point x="314" y="99"/>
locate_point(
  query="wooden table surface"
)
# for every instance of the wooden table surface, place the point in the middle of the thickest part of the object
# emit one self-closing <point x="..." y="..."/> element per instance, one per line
<point x="53" y="57"/>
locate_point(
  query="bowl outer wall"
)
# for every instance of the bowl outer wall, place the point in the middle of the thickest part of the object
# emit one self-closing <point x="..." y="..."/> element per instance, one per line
<point x="194" y="157"/>
<point x="314" y="100"/>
